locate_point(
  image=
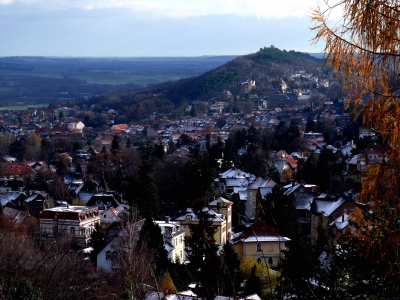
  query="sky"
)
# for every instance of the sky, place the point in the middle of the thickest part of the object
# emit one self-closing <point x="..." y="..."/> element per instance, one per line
<point x="127" y="28"/>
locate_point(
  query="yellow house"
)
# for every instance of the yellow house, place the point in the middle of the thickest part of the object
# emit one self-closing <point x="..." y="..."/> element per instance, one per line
<point x="260" y="242"/>
<point x="219" y="221"/>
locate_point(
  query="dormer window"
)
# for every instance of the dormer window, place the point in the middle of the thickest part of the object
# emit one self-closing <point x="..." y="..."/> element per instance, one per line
<point x="188" y="218"/>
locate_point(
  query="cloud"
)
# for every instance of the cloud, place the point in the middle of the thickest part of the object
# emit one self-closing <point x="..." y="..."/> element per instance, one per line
<point x="265" y="9"/>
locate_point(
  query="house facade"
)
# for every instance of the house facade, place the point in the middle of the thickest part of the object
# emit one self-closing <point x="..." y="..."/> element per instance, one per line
<point x="224" y="207"/>
<point x="174" y="239"/>
<point x="261" y="243"/>
<point x="77" y="221"/>
<point x="218" y="220"/>
<point x="328" y="210"/>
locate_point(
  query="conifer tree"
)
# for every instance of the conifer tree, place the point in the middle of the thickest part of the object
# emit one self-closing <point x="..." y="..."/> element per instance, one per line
<point x="253" y="284"/>
<point x="115" y="143"/>
<point x="96" y="242"/>
<point x="278" y="211"/>
<point x="146" y="192"/>
<point x="231" y="274"/>
<point x="151" y="235"/>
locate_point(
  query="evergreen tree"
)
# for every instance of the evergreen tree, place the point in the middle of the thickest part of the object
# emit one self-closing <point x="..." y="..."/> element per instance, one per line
<point x="310" y="126"/>
<point x="273" y="173"/>
<point x="151" y="235"/>
<point x="14" y="184"/>
<point x="327" y="169"/>
<point x="96" y="242"/>
<point x="115" y="143"/>
<point x="279" y="212"/>
<point x="181" y="275"/>
<point x="253" y="284"/>
<point x="203" y="253"/>
<point x="128" y="143"/>
<point x="17" y="149"/>
<point x="301" y="264"/>
<point x="146" y="194"/>
<point x="231" y="276"/>
<point x="308" y="172"/>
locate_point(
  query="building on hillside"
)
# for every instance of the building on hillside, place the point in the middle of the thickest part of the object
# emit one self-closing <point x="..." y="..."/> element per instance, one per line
<point x="375" y="154"/>
<point x="76" y="221"/>
<point x="252" y="192"/>
<point x="109" y="217"/>
<point x="218" y="220"/>
<point x="261" y="243"/>
<point x="119" y="243"/>
<point x="232" y="178"/>
<point x="224" y="207"/>
<point x="36" y="202"/>
<point x="21" y="219"/>
<point x="174" y="239"/>
<point x="325" y="209"/>
<point x="103" y="201"/>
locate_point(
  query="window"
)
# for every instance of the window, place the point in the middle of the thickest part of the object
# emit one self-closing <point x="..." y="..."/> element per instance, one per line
<point x="72" y="230"/>
<point x="345" y="211"/>
<point x="181" y="255"/>
<point x="259" y="248"/>
<point x="188" y="218"/>
<point x="180" y="240"/>
<point x="115" y="256"/>
<point x="83" y="231"/>
<point x="108" y="255"/>
<point x="351" y="210"/>
<point x="270" y="261"/>
<point x="259" y="260"/>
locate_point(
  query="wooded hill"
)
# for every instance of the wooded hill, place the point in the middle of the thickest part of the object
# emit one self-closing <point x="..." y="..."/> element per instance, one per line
<point x="263" y="66"/>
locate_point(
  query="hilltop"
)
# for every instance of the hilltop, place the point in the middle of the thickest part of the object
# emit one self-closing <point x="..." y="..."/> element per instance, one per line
<point x="257" y="71"/>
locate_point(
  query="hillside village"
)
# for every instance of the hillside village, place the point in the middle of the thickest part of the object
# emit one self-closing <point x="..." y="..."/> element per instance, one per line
<point x="65" y="169"/>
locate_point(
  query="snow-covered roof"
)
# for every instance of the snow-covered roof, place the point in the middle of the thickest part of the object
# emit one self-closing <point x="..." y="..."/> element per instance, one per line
<point x="243" y="195"/>
<point x="236" y="182"/>
<point x="216" y="217"/>
<point x="328" y="207"/>
<point x="304" y="203"/>
<point x="264" y="191"/>
<point x="258" y="232"/>
<point x="224" y="202"/>
<point x="8" y="197"/>
<point x="340" y="222"/>
<point x="234" y="173"/>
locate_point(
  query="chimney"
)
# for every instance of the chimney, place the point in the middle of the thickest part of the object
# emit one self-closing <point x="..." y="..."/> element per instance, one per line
<point x="167" y="219"/>
<point x="342" y="218"/>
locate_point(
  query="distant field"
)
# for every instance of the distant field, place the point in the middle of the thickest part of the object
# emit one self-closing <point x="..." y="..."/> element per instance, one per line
<point x="59" y="77"/>
<point x="21" y="107"/>
<point x="124" y="77"/>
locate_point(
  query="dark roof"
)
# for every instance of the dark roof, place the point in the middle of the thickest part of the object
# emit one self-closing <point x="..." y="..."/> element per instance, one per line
<point x="258" y="231"/>
<point x="104" y="198"/>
